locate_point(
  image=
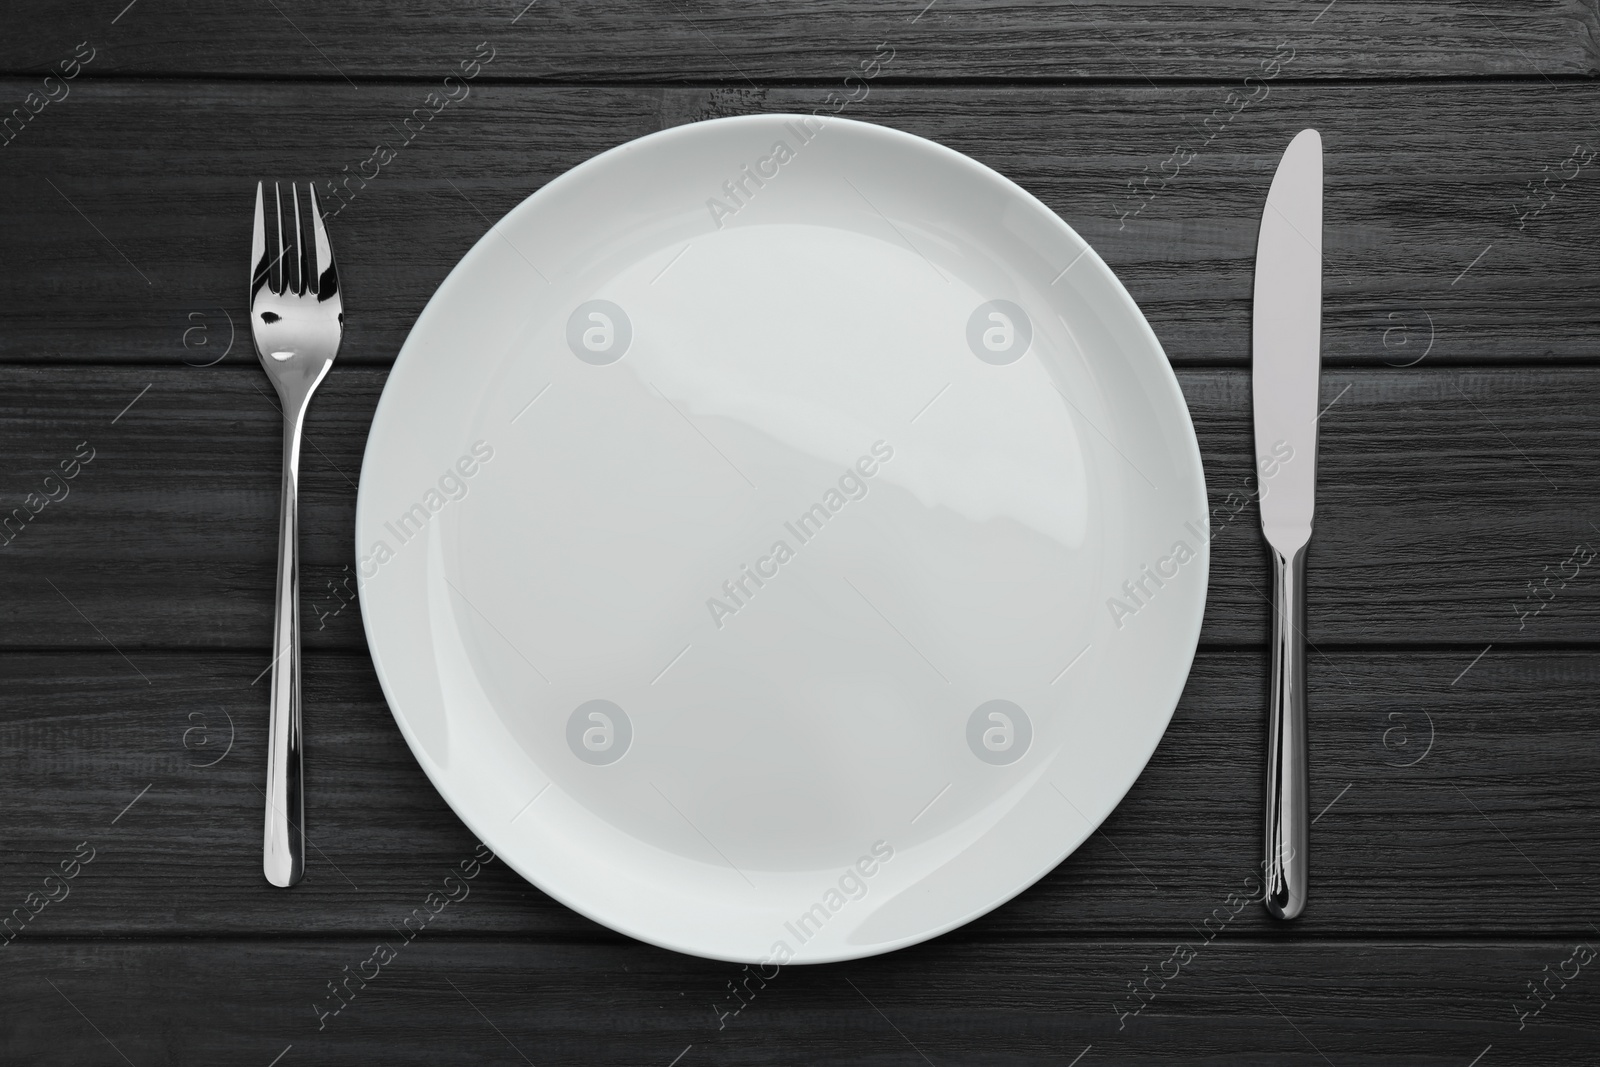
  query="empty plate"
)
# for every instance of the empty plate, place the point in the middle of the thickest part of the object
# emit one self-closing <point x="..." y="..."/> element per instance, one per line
<point x="782" y="540"/>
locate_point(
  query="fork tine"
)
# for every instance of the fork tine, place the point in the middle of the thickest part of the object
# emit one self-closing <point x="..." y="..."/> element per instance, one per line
<point x="280" y="268"/>
<point x="302" y="255"/>
<point x="327" y="277"/>
<point x="258" y="244"/>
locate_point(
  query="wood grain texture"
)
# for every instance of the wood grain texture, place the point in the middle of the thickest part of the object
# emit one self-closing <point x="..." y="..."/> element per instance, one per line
<point x="1454" y="728"/>
<point x="1449" y="807"/>
<point x="126" y="230"/>
<point x="1442" y="494"/>
<point x="744" y="44"/>
<point x="950" y="1003"/>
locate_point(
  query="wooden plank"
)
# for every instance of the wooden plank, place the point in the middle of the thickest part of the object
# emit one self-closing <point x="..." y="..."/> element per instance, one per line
<point x="1239" y="1002"/>
<point x="723" y="41"/>
<point x="1449" y="804"/>
<point x="127" y="222"/>
<point x="1443" y="492"/>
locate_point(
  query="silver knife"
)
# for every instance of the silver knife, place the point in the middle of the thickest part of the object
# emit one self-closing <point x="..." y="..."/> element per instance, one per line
<point x="1286" y="363"/>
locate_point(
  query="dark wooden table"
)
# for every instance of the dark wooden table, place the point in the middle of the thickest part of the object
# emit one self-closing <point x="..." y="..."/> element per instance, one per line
<point x="1455" y="598"/>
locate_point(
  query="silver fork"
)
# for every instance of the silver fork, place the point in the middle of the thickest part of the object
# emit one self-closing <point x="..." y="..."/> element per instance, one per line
<point x="297" y="320"/>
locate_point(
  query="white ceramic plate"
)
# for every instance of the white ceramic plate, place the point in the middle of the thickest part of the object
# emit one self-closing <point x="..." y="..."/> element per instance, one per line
<point x="782" y="542"/>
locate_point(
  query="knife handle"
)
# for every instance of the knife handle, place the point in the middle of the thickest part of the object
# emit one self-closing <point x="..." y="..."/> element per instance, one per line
<point x="1287" y="828"/>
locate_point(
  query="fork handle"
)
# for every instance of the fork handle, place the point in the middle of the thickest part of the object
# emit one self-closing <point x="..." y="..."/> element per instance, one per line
<point x="1287" y="829"/>
<point x="283" y="849"/>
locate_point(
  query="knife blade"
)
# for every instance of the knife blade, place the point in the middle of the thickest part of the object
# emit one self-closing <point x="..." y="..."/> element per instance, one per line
<point x="1286" y="366"/>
